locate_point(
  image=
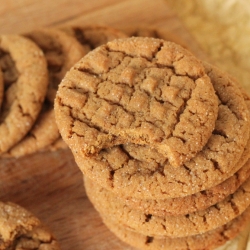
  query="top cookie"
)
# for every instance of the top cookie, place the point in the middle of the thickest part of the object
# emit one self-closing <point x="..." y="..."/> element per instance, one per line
<point x="19" y="229"/>
<point x="25" y="80"/>
<point x="138" y="90"/>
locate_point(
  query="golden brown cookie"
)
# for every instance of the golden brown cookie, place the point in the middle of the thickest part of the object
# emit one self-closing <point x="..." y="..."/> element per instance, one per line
<point x="197" y="222"/>
<point x="92" y="36"/>
<point x="128" y="94"/>
<point x="25" y="80"/>
<point x="19" y="229"/>
<point x="61" y="52"/>
<point x="207" y="241"/>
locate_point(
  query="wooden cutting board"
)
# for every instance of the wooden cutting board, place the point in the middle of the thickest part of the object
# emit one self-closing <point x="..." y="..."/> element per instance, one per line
<point x="49" y="184"/>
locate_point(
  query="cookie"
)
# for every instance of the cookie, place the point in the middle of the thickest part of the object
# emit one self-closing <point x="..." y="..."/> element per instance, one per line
<point x="207" y="241"/>
<point x="61" y="52"/>
<point x="132" y="93"/>
<point x="25" y="81"/>
<point x="197" y="222"/>
<point x="194" y="202"/>
<point x="19" y="229"/>
<point x="141" y="172"/>
<point x="93" y="36"/>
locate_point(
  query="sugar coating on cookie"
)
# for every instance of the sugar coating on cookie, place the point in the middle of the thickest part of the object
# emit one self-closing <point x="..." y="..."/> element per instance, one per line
<point x="25" y="81"/>
<point x="147" y="31"/>
<point x="19" y="229"/>
<point x="138" y="90"/>
<point x="61" y="52"/>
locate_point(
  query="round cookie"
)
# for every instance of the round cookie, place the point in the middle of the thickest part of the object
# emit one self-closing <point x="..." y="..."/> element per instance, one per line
<point x="61" y="52"/>
<point x="207" y="241"/>
<point x="141" y="172"/>
<point x="128" y="88"/>
<point x="92" y="36"/>
<point x="19" y="229"/>
<point x="198" y="222"/>
<point x="25" y="81"/>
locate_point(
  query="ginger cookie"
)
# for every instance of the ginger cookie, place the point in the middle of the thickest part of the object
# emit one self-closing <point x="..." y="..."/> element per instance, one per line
<point x="92" y="36"/>
<point x="25" y="81"/>
<point x="61" y="52"/>
<point x="19" y="229"/>
<point x="128" y="88"/>
<point x="206" y="241"/>
<point x="141" y="171"/>
<point x="197" y="222"/>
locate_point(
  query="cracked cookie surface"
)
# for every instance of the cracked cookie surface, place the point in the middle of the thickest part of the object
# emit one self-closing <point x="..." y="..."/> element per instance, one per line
<point x="25" y="81"/>
<point x="19" y="229"/>
<point x="200" y="200"/>
<point x="194" y="202"/>
<point x="197" y="222"/>
<point x="138" y="90"/>
<point x="206" y="241"/>
<point x="61" y="52"/>
<point x="142" y="172"/>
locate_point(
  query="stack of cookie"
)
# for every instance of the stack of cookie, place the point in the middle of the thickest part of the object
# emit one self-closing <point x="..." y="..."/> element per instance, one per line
<point x="31" y="67"/>
<point x="163" y="142"/>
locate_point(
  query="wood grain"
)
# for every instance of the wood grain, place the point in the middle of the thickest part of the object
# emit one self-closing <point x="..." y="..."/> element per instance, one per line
<point x="49" y="184"/>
